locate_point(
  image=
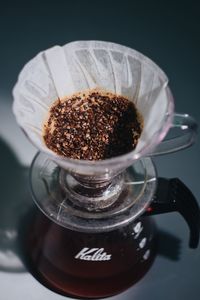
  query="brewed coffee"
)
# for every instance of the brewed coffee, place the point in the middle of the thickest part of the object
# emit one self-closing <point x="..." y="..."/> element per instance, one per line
<point x="90" y="265"/>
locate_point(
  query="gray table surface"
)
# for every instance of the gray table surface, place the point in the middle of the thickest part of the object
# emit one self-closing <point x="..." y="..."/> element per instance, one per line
<point x="170" y="35"/>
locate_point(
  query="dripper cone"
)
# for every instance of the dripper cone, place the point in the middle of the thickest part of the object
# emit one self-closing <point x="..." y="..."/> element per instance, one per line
<point x="78" y="66"/>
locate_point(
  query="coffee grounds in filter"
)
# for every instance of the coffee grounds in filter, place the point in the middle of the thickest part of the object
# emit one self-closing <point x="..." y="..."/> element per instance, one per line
<point x="93" y="125"/>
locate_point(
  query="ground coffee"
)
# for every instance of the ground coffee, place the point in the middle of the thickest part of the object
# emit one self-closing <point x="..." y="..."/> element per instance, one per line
<point x="93" y="125"/>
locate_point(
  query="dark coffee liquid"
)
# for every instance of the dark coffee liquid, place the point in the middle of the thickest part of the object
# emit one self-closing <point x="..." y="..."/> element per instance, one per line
<point x="91" y="265"/>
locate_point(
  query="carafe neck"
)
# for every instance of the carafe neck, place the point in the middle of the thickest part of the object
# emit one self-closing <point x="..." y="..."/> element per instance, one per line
<point x="90" y="193"/>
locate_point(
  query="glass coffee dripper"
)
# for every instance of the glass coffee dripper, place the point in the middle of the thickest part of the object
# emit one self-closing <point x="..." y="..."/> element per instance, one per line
<point x="92" y="236"/>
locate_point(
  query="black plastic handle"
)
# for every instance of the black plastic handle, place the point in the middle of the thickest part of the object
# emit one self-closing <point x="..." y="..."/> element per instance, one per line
<point x="172" y="195"/>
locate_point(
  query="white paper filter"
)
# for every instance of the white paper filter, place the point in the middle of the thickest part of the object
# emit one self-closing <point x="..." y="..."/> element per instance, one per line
<point x="77" y="66"/>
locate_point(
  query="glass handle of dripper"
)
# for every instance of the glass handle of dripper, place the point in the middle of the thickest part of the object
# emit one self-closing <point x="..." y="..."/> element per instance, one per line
<point x="183" y="131"/>
<point x="172" y="195"/>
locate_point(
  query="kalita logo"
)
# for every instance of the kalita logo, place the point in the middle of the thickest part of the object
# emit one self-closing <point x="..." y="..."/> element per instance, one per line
<point x="93" y="254"/>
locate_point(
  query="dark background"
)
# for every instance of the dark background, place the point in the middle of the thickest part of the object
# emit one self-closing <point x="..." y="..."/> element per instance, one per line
<point x="166" y="31"/>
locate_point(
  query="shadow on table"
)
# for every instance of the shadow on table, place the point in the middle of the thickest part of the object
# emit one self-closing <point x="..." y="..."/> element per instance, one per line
<point x="169" y="245"/>
<point x="14" y="203"/>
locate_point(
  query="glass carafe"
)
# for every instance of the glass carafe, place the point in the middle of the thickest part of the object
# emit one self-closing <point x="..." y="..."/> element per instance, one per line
<point x="95" y="250"/>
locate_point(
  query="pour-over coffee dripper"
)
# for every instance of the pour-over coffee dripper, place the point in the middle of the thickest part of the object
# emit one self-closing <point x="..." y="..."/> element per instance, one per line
<point x="94" y="234"/>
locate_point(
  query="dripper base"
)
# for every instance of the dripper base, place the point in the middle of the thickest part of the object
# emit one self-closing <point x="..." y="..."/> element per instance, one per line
<point x="91" y="195"/>
<point x="124" y="199"/>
